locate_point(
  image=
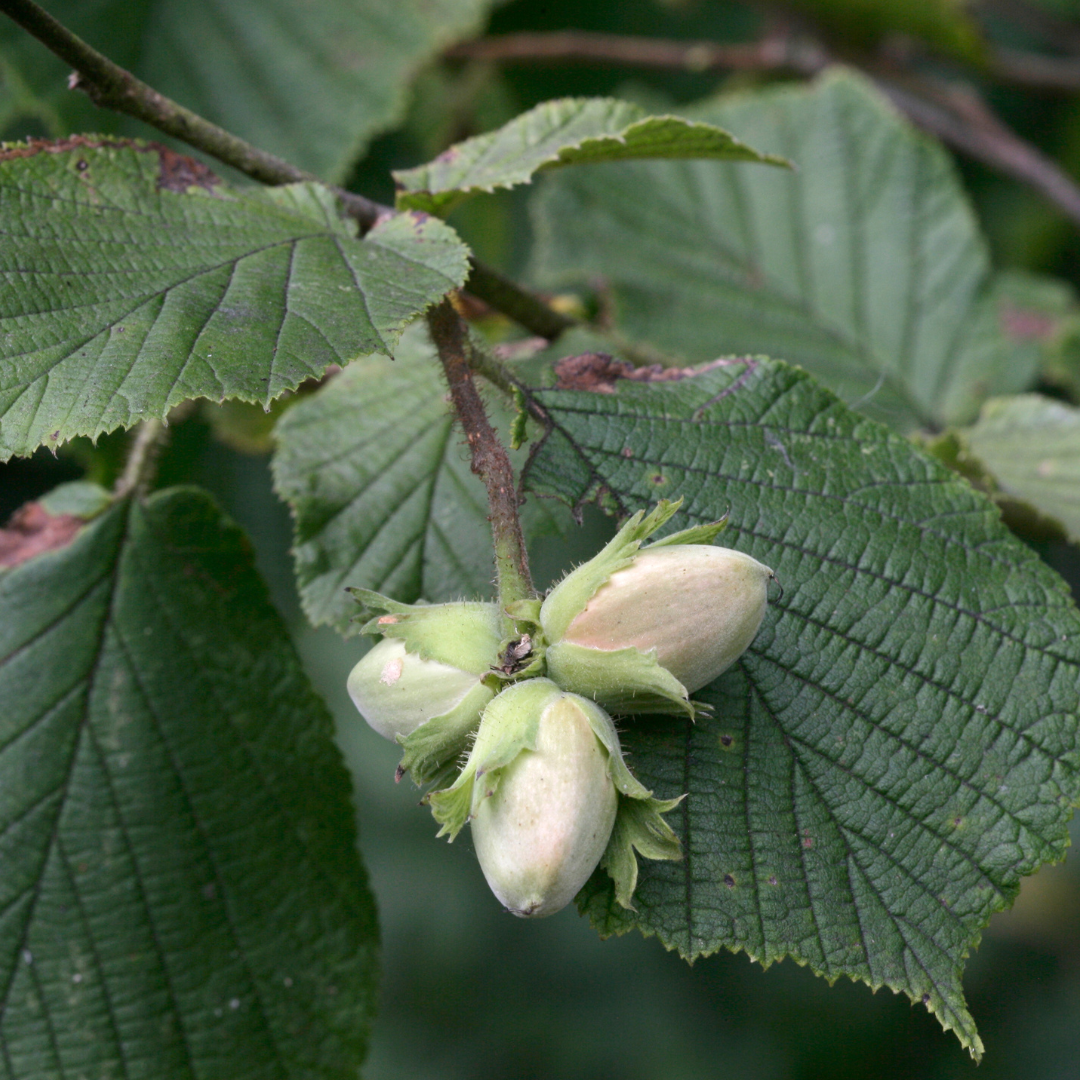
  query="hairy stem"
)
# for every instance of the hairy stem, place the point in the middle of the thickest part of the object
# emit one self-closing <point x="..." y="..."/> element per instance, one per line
<point x="489" y="458"/>
<point x="142" y="459"/>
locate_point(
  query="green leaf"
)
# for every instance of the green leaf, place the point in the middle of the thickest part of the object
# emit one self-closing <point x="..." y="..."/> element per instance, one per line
<point x="568" y="131"/>
<point x="1031" y="447"/>
<point x="899" y="745"/>
<point x="310" y="83"/>
<point x="134" y="281"/>
<point x="865" y="265"/>
<point x="180" y="890"/>
<point x="378" y="480"/>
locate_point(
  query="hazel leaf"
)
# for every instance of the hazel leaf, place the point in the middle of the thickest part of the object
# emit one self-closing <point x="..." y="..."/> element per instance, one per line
<point x="898" y="746"/>
<point x="180" y="880"/>
<point x="135" y="280"/>
<point x="568" y="131"/>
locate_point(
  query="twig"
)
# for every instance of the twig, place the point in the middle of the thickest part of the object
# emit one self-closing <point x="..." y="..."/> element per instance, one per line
<point x="965" y="122"/>
<point x="489" y="458"/>
<point x="520" y="305"/>
<point x="142" y="458"/>
<point x="1036" y="71"/>
<point x="112" y="87"/>
<point x="580" y="46"/>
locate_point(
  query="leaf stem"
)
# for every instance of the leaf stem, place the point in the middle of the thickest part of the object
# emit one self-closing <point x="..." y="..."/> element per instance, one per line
<point x="142" y="459"/>
<point x="489" y="459"/>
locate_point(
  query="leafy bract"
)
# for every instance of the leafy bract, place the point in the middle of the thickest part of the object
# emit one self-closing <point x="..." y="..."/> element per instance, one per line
<point x="865" y="265"/>
<point x="1031" y="446"/>
<point x="311" y="83"/>
<point x="568" y="131"/>
<point x="382" y="495"/>
<point x="133" y="281"/>
<point x="899" y="745"/>
<point x="180" y="890"/>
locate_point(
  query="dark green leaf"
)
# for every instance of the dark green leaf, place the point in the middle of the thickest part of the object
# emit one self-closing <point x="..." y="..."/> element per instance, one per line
<point x="128" y="291"/>
<point x="865" y="265"/>
<point x="180" y="893"/>
<point x="312" y="83"/>
<point x="569" y="131"/>
<point x="899" y="745"/>
<point x="383" y="498"/>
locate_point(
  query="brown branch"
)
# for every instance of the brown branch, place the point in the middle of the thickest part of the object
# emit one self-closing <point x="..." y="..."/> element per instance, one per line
<point x="961" y="119"/>
<point x="582" y="47"/>
<point x="489" y="458"/>
<point x="1036" y="71"/>
<point x="519" y="304"/>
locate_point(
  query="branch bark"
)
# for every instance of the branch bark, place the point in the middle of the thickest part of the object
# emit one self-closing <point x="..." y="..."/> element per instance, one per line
<point x="489" y="459"/>
<point x="964" y="121"/>
<point x="580" y="46"/>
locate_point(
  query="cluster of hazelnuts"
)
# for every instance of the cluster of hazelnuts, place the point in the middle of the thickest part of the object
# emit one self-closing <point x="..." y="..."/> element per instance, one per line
<point x="515" y="736"/>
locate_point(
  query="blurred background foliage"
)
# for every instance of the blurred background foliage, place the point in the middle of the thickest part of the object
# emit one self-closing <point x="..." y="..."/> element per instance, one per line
<point x="468" y="992"/>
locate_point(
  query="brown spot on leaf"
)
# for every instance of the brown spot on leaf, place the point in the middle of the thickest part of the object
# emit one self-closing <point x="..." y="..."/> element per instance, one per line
<point x="1021" y="325"/>
<point x="178" y="172"/>
<point x="599" y="372"/>
<point x="32" y="531"/>
<point x="52" y="146"/>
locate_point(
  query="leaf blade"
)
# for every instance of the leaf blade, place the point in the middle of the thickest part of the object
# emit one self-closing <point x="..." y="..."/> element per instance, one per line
<point x="566" y="131"/>
<point x="1030" y="446"/>
<point x="126" y="297"/>
<point x="180" y="870"/>
<point x="899" y="745"/>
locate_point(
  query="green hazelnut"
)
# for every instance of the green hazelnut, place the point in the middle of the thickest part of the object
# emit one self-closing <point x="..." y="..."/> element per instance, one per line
<point x="638" y="629"/>
<point x="549" y="797"/>
<point x="424" y="684"/>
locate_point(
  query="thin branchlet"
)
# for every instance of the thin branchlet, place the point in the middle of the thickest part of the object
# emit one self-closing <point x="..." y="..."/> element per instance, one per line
<point x="489" y="458"/>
